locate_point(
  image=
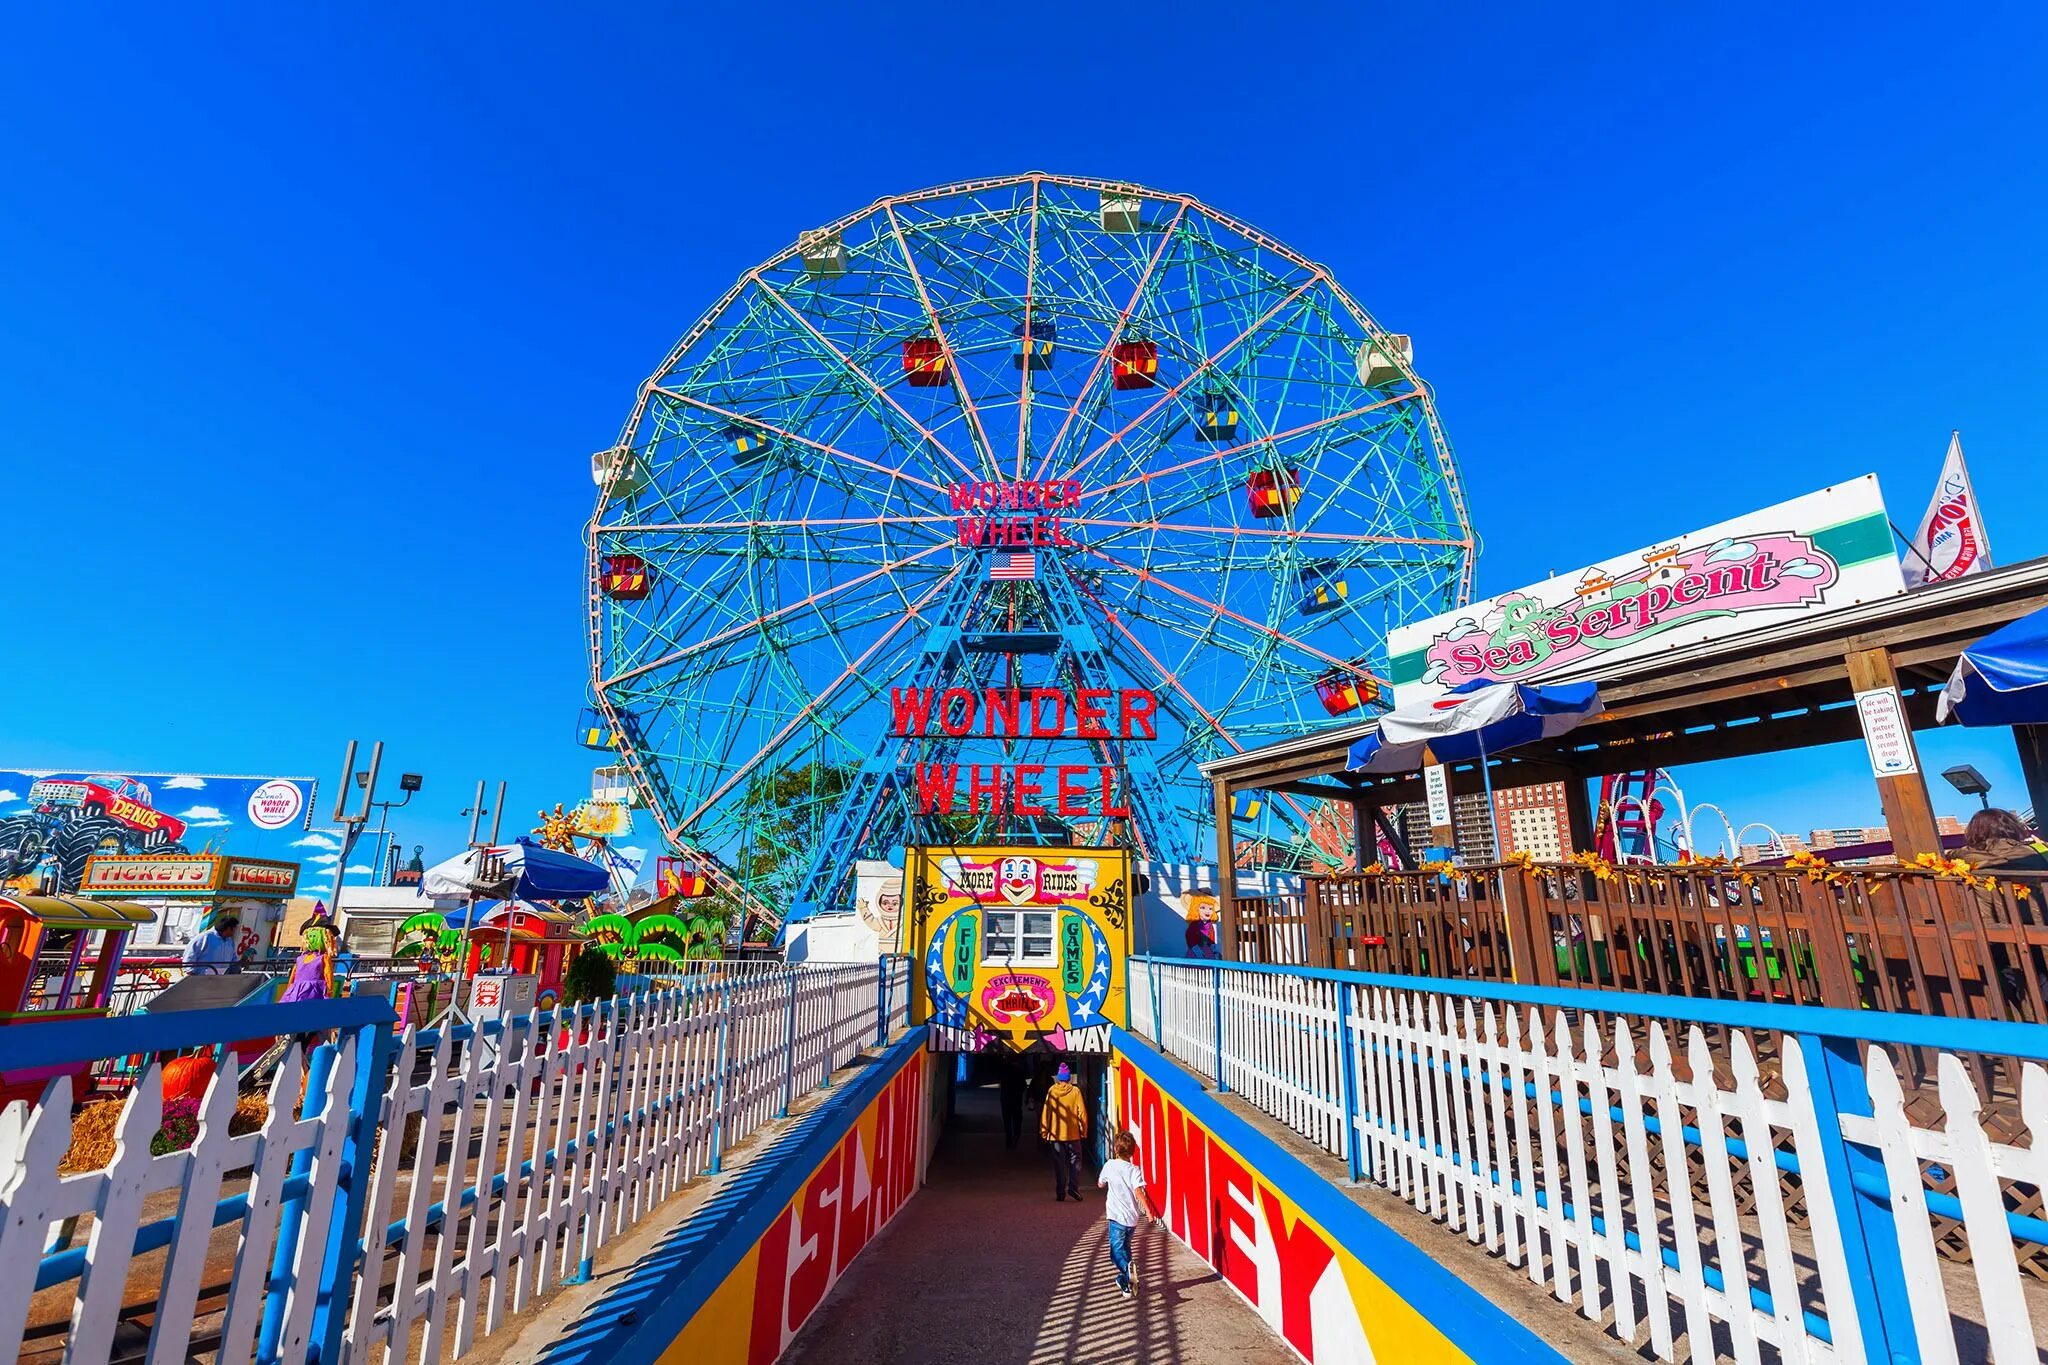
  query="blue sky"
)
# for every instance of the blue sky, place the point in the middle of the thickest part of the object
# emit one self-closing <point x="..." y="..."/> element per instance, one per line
<point x="312" y="316"/>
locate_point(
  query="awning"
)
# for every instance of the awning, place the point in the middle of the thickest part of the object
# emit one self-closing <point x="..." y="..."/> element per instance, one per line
<point x="74" y="912"/>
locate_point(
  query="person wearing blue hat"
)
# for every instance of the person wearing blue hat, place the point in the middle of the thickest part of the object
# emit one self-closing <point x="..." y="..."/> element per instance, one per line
<point x="1063" y="1123"/>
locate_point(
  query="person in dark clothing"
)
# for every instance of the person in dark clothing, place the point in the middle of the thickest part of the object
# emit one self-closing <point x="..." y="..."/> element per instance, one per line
<point x="1994" y="842"/>
<point x="1011" y="1083"/>
<point x="1998" y="840"/>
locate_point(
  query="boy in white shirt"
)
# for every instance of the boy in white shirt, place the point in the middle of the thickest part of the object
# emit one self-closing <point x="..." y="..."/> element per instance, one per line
<point x="1125" y="1206"/>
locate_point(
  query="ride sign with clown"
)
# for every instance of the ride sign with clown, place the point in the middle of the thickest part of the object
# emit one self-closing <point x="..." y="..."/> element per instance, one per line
<point x="1015" y="948"/>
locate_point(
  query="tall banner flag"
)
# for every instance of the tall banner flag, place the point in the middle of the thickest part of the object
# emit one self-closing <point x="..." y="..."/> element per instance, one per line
<point x="1951" y="541"/>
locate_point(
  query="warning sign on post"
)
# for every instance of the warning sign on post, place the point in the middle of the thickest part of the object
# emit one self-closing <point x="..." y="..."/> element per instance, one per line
<point x="1436" y="786"/>
<point x="1885" y="732"/>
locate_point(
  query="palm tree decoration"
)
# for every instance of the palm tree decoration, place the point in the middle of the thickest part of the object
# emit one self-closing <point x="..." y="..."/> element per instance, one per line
<point x="658" y="937"/>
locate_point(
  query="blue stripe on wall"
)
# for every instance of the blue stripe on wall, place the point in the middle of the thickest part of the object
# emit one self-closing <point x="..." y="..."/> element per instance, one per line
<point x="1472" y="1322"/>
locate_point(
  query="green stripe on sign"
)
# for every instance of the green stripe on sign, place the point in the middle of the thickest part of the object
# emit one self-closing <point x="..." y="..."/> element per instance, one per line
<point x="1856" y="542"/>
<point x="1407" y="668"/>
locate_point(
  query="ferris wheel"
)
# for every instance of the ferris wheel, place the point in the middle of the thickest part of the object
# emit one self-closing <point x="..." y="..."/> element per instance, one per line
<point x="1035" y="432"/>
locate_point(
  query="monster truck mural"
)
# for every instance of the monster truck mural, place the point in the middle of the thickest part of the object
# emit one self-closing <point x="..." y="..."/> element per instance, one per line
<point x="51" y="822"/>
<point x="69" y="820"/>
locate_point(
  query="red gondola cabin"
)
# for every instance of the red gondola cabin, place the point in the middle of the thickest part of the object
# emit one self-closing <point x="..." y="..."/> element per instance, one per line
<point x="924" y="362"/>
<point x="1134" y="365"/>
<point x="1273" y="492"/>
<point x="680" y="877"/>
<point x="1343" y="691"/>
<point x="626" y="578"/>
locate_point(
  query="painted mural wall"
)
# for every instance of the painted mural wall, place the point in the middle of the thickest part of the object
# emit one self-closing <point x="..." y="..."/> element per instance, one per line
<point x="51" y="822"/>
<point x="1015" y="948"/>
<point x="838" y="1207"/>
<point x="1340" y="1286"/>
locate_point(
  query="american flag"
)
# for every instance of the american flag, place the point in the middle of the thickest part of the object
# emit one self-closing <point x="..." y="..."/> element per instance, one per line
<point x="1013" y="566"/>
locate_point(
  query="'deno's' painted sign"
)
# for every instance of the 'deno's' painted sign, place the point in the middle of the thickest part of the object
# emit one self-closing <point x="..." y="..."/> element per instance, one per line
<point x="1018" y="947"/>
<point x="1798" y="559"/>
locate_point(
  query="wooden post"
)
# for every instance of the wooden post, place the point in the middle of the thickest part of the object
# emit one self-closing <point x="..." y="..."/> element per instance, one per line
<point x="1364" y="834"/>
<point x="1833" y="969"/>
<point x="1908" y="810"/>
<point x="1226" y="868"/>
<point x="2032" y="742"/>
<point x="1578" y="808"/>
<point x="1529" y="960"/>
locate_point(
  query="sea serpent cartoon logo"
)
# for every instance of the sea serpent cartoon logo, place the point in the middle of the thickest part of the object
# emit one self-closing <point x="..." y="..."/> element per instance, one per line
<point x="948" y="1009"/>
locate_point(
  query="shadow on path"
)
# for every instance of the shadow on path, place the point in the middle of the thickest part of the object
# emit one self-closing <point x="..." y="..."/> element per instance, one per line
<point x="983" y="1267"/>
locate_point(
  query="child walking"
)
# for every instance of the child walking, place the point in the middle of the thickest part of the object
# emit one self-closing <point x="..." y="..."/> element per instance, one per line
<point x="1126" y="1204"/>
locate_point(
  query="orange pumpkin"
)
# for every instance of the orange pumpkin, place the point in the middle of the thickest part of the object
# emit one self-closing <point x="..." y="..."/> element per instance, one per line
<point x="186" y="1078"/>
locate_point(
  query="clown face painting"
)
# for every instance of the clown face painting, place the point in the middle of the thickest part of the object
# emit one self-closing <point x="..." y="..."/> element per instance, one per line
<point x="1017" y="880"/>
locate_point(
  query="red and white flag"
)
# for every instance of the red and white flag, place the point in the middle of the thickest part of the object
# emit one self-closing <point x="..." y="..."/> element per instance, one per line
<point x="1951" y="541"/>
<point x="1013" y="566"/>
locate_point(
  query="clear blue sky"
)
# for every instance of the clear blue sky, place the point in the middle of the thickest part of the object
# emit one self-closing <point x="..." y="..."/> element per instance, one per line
<point x="313" y="315"/>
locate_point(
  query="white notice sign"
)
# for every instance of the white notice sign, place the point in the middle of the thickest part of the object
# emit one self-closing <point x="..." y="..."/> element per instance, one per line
<point x="1885" y="732"/>
<point x="1436" y="783"/>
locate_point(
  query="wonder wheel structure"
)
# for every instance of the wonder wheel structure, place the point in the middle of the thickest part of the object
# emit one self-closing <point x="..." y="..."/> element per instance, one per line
<point x="1036" y="432"/>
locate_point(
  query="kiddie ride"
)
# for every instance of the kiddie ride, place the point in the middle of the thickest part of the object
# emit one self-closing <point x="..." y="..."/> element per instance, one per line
<point x="59" y="956"/>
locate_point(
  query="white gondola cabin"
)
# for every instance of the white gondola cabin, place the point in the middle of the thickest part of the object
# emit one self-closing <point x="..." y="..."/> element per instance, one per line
<point x="1382" y="364"/>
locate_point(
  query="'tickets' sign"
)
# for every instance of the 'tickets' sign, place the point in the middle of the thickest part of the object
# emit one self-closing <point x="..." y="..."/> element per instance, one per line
<point x="262" y="878"/>
<point x="190" y="875"/>
<point x="1811" y="555"/>
<point x="155" y="876"/>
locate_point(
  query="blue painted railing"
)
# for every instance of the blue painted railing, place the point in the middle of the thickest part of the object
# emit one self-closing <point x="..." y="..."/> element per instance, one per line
<point x="1830" y="1042"/>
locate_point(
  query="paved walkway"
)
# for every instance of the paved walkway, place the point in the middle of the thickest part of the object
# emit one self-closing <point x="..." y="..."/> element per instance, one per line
<point x="983" y="1266"/>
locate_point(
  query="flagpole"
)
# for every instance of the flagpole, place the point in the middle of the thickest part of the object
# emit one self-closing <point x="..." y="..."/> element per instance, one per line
<point x="1955" y="440"/>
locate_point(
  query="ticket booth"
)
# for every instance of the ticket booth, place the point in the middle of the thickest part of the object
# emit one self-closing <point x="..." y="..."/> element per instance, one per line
<point x="187" y="892"/>
<point x="1018" y="948"/>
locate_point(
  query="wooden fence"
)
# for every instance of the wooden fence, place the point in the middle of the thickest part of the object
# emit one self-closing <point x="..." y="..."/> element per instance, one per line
<point x="1875" y="938"/>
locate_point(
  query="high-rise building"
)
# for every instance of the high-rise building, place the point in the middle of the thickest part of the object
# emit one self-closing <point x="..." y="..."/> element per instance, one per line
<point x="1535" y="820"/>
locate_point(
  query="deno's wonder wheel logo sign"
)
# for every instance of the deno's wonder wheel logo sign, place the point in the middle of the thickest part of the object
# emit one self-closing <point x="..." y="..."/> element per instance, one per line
<point x="275" y="804"/>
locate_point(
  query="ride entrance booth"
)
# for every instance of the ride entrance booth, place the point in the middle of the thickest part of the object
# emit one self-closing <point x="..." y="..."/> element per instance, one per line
<point x="520" y="939"/>
<point x="1018" y="949"/>
<point x="58" y="959"/>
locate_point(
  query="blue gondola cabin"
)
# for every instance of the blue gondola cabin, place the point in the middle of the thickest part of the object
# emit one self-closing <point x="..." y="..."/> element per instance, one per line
<point x="1134" y="365"/>
<point x="924" y="363"/>
<point x="626" y="578"/>
<point x="1217" y="421"/>
<point x="593" y="731"/>
<point x="1247" y="806"/>
<point x="1273" y="492"/>
<point x="1323" y="588"/>
<point x="748" y="445"/>
<point x="1034" y="344"/>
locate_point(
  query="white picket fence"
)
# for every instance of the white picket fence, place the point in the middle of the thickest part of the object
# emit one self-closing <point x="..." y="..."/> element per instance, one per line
<point x="499" y="1171"/>
<point x="1550" y="1136"/>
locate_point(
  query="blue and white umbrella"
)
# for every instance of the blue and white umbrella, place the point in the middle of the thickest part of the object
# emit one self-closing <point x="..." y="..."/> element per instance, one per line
<point x="520" y="870"/>
<point x="2003" y="678"/>
<point x="1478" y="718"/>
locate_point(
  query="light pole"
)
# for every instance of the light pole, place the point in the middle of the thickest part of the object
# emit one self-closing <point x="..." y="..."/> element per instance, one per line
<point x="408" y="783"/>
<point x="1969" y="782"/>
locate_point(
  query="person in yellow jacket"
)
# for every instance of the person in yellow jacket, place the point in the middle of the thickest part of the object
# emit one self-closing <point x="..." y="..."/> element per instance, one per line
<point x="1063" y="1123"/>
